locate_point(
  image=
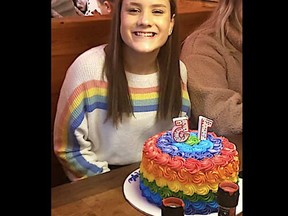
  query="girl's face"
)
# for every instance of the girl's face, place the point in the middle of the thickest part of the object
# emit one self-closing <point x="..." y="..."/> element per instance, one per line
<point x="145" y="24"/>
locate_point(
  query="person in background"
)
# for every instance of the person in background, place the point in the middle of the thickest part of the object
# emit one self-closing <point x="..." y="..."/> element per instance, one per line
<point x="62" y="8"/>
<point x="213" y="57"/>
<point x="81" y="5"/>
<point x="102" y="7"/>
<point x="117" y="95"/>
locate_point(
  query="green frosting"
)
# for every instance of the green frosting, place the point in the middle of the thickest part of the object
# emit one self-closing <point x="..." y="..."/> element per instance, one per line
<point x="192" y="140"/>
<point x="166" y="192"/>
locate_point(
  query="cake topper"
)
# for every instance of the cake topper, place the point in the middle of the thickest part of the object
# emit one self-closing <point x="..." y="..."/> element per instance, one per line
<point x="180" y="130"/>
<point x="203" y="124"/>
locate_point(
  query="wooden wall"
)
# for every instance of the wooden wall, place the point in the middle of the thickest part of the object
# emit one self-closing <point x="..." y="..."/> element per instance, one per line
<point x="71" y="36"/>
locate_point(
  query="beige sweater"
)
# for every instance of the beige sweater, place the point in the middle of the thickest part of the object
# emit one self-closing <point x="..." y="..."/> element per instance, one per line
<point x="215" y="79"/>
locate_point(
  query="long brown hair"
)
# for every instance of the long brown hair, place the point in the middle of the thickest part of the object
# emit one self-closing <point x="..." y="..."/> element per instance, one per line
<point x="170" y="94"/>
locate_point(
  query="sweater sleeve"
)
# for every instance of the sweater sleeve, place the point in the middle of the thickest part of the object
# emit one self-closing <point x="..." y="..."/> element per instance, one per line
<point x="210" y="77"/>
<point x="71" y="144"/>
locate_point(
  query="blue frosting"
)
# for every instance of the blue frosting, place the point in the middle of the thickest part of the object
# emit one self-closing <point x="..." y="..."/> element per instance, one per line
<point x="203" y="149"/>
<point x="198" y="207"/>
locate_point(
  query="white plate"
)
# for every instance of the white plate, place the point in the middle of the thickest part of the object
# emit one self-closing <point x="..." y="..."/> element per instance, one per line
<point x="133" y="195"/>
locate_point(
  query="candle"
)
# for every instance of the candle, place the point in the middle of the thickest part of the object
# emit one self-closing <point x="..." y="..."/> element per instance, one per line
<point x="180" y="130"/>
<point x="172" y="206"/>
<point x="227" y="198"/>
<point x="203" y="124"/>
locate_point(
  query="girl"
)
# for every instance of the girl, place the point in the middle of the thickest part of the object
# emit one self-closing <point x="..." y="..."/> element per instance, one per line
<point x="117" y="95"/>
<point x="213" y="57"/>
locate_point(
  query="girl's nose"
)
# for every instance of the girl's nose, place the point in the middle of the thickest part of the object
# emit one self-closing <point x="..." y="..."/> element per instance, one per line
<point x="145" y="18"/>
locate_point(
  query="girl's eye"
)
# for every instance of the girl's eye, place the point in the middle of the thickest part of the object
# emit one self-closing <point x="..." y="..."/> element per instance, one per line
<point x="158" y="11"/>
<point x="133" y="10"/>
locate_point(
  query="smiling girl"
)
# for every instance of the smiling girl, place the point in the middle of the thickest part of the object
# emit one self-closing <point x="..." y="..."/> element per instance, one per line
<point x="117" y="95"/>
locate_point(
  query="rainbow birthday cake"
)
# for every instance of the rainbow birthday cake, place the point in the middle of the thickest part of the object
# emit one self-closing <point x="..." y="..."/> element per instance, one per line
<point x="190" y="170"/>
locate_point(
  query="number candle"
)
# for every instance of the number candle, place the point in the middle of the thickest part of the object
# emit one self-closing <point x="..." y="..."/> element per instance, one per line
<point x="180" y="130"/>
<point x="203" y="125"/>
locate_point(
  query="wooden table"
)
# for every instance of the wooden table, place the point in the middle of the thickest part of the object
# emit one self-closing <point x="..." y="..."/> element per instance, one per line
<point x="100" y="195"/>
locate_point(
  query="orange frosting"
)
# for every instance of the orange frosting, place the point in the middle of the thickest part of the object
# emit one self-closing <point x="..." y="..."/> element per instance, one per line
<point x="189" y="175"/>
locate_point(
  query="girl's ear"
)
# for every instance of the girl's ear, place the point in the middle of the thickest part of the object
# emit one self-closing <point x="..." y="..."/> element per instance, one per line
<point x="171" y="24"/>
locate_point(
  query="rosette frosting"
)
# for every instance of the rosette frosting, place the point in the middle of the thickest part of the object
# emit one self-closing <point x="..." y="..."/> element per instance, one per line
<point x="189" y="170"/>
